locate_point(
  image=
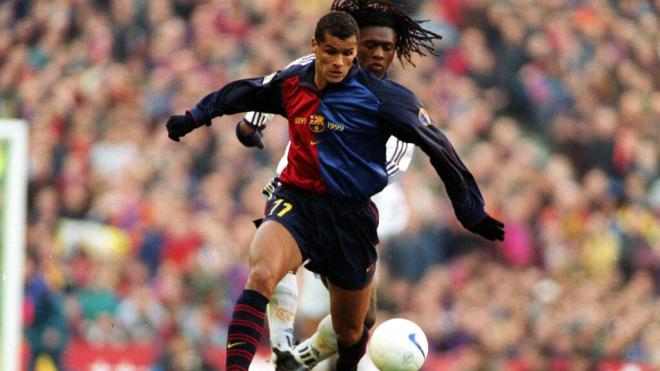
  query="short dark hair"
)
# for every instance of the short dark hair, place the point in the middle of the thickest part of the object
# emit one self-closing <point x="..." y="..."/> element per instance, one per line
<point x="337" y="24"/>
<point x="411" y="37"/>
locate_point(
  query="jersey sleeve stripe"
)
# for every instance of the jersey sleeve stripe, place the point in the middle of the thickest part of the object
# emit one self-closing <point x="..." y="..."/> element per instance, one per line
<point x="393" y="155"/>
<point x="403" y="152"/>
<point x="398" y="153"/>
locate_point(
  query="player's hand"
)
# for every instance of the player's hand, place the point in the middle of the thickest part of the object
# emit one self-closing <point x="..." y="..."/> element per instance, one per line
<point x="179" y="125"/>
<point x="489" y="228"/>
<point x="249" y="136"/>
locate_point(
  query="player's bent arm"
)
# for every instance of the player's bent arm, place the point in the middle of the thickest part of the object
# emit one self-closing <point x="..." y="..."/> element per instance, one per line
<point x="249" y="136"/>
<point x="398" y="156"/>
<point x="257" y="120"/>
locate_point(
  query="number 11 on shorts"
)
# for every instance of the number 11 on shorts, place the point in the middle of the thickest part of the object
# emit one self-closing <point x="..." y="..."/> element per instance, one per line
<point x="286" y="207"/>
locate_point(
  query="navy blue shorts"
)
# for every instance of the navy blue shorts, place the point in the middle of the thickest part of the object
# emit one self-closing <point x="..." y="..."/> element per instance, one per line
<point x="338" y="237"/>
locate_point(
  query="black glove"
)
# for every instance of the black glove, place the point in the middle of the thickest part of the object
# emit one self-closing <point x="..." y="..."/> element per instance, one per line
<point x="489" y="228"/>
<point x="180" y="125"/>
<point x="250" y="140"/>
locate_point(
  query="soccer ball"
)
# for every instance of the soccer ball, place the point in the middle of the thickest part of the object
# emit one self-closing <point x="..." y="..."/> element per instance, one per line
<point x="398" y="345"/>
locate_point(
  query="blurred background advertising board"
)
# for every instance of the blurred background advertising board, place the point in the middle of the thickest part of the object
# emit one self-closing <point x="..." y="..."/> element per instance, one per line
<point x="13" y="185"/>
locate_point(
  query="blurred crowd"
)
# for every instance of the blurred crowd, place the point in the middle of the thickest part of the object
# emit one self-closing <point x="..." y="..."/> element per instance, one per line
<point x="554" y="105"/>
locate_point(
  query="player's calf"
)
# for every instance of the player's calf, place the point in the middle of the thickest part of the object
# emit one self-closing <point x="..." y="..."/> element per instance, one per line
<point x="282" y="311"/>
<point x="349" y="355"/>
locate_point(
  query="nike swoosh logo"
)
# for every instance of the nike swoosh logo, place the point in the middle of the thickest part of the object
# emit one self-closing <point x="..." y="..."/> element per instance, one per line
<point x="231" y="345"/>
<point x="314" y="142"/>
<point x="414" y="341"/>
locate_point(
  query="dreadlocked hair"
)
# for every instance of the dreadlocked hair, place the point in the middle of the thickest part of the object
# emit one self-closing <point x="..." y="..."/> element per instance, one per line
<point x="411" y="37"/>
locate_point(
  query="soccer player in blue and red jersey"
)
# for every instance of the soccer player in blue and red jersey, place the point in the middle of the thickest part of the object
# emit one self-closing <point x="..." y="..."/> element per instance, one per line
<point x="340" y="118"/>
<point x="386" y="31"/>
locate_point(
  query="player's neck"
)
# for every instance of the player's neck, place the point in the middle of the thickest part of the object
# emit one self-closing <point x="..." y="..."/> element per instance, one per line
<point x="320" y="83"/>
<point x="319" y="80"/>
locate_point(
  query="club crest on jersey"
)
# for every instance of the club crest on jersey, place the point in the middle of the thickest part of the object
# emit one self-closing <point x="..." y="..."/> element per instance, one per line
<point x="424" y="117"/>
<point x="316" y="123"/>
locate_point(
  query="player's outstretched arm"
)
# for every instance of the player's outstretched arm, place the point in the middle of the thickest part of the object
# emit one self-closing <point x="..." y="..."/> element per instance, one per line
<point x="238" y="96"/>
<point x="461" y="186"/>
<point x="180" y="125"/>
<point x="463" y="190"/>
<point x="490" y="228"/>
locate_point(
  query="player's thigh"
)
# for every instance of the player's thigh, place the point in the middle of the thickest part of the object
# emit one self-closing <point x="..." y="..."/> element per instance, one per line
<point x="348" y="309"/>
<point x="373" y="298"/>
<point x="274" y="249"/>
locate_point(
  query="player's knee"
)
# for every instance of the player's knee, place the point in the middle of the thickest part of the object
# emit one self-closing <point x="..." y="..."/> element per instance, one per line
<point x="262" y="280"/>
<point x="370" y="319"/>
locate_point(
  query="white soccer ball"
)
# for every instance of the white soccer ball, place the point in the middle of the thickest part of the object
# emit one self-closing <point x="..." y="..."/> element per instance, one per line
<point x="398" y="345"/>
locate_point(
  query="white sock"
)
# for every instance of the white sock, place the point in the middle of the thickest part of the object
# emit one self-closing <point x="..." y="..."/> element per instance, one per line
<point x="281" y="312"/>
<point x="320" y="346"/>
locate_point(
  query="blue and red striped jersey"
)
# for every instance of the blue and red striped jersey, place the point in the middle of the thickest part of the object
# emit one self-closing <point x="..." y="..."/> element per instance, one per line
<point x="338" y="134"/>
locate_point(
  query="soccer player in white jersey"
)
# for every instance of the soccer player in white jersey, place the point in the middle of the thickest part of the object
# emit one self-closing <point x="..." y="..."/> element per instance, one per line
<point x="385" y="31"/>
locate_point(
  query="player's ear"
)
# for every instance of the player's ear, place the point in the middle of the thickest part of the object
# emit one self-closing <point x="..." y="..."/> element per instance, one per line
<point x="315" y="45"/>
